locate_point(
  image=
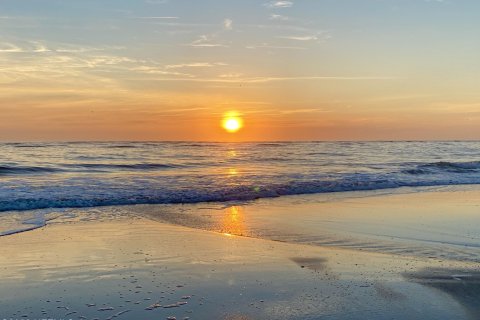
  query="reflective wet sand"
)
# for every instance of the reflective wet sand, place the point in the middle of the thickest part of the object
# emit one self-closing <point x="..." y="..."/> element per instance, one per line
<point x="134" y="268"/>
<point x="436" y="222"/>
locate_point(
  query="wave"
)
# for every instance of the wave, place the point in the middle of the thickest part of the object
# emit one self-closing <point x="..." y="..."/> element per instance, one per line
<point x="270" y="144"/>
<point x="121" y="146"/>
<point x="91" y="196"/>
<point x="472" y="165"/>
<point x="8" y="170"/>
<point x="445" y="166"/>
<point x="35" y="145"/>
<point x="135" y="166"/>
<point x="29" y="146"/>
<point x="197" y="145"/>
<point x="17" y="170"/>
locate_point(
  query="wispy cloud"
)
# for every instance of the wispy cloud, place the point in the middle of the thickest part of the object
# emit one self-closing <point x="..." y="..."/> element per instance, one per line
<point x="286" y="27"/>
<point x="9" y="47"/>
<point x="159" y="18"/>
<point x="319" y="36"/>
<point x="228" y="24"/>
<point x="299" y="38"/>
<point x="206" y="41"/>
<point x="306" y="110"/>
<point x="77" y="49"/>
<point x="279" y="4"/>
<point x="107" y="60"/>
<point x="247" y="80"/>
<point x="279" y="17"/>
<point x="39" y="62"/>
<point x="231" y="75"/>
<point x="195" y="65"/>
<point x="267" y="46"/>
<point x="158" y="71"/>
<point x="274" y="79"/>
<point x="41" y="47"/>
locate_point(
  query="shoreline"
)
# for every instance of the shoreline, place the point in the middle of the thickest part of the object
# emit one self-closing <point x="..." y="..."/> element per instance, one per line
<point x="425" y="222"/>
<point x="322" y="197"/>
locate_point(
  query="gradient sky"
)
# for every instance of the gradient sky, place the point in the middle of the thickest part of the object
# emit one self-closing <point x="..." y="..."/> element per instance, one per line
<point x="295" y="70"/>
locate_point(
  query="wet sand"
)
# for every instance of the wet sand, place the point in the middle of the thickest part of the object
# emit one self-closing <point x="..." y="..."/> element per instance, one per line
<point x="440" y="222"/>
<point x="131" y="267"/>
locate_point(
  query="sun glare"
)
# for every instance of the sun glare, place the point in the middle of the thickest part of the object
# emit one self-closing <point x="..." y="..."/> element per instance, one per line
<point x="232" y="122"/>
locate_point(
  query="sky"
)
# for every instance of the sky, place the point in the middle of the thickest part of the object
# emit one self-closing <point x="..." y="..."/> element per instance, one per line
<point x="292" y="70"/>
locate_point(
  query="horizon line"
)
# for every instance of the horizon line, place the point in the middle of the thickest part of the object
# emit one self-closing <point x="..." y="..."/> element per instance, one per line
<point x="226" y="141"/>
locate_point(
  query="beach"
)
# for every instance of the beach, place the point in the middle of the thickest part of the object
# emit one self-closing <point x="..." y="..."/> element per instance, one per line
<point x="135" y="262"/>
<point x="239" y="160"/>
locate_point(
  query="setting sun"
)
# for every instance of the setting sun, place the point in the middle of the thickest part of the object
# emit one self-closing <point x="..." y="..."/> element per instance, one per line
<point x="232" y="123"/>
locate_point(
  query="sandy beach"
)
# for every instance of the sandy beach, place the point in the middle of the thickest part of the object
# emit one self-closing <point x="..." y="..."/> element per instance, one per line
<point x="131" y="267"/>
<point x="239" y="160"/>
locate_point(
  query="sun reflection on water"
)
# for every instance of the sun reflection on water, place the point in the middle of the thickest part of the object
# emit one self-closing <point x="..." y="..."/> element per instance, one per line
<point x="233" y="221"/>
<point x="232" y="172"/>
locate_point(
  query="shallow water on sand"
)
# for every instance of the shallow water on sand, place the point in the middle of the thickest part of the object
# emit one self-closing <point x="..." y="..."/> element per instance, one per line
<point x="440" y="223"/>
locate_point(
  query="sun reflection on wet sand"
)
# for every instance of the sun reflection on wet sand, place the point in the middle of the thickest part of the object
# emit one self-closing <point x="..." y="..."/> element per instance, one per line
<point x="233" y="221"/>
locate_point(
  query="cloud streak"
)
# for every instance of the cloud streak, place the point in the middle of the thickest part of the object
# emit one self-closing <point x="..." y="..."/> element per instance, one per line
<point x="159" y="18"/>
<point x="267" y="46"/>
<point x="247" y="80"/>
<point x="228" y="24"/>
<point x="10" y="48"/>
<point x="279" y="4"/>
<point x="195" y="65"/>
<point x="278" y="17"/>
<point x="299" y="38"/>
<point x="206" y="41"/>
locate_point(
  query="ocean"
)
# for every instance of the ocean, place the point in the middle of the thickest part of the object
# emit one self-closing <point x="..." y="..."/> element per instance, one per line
<point x="297" y="187"/>
<point x="85" y="174"/>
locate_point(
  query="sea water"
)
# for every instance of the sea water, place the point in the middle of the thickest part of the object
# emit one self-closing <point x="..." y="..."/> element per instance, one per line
<point x="42" y="176"/>
<point x="57" y="175"/>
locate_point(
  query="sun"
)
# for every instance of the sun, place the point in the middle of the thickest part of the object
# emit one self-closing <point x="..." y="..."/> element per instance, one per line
<point x="232" y="122"/>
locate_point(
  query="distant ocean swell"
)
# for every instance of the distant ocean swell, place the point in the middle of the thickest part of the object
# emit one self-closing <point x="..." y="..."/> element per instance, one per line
<point x="455" y="166"/>
<point x="6" y="170"/>
<point x="85" y="167"/>
<point x="428" y="168"/>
